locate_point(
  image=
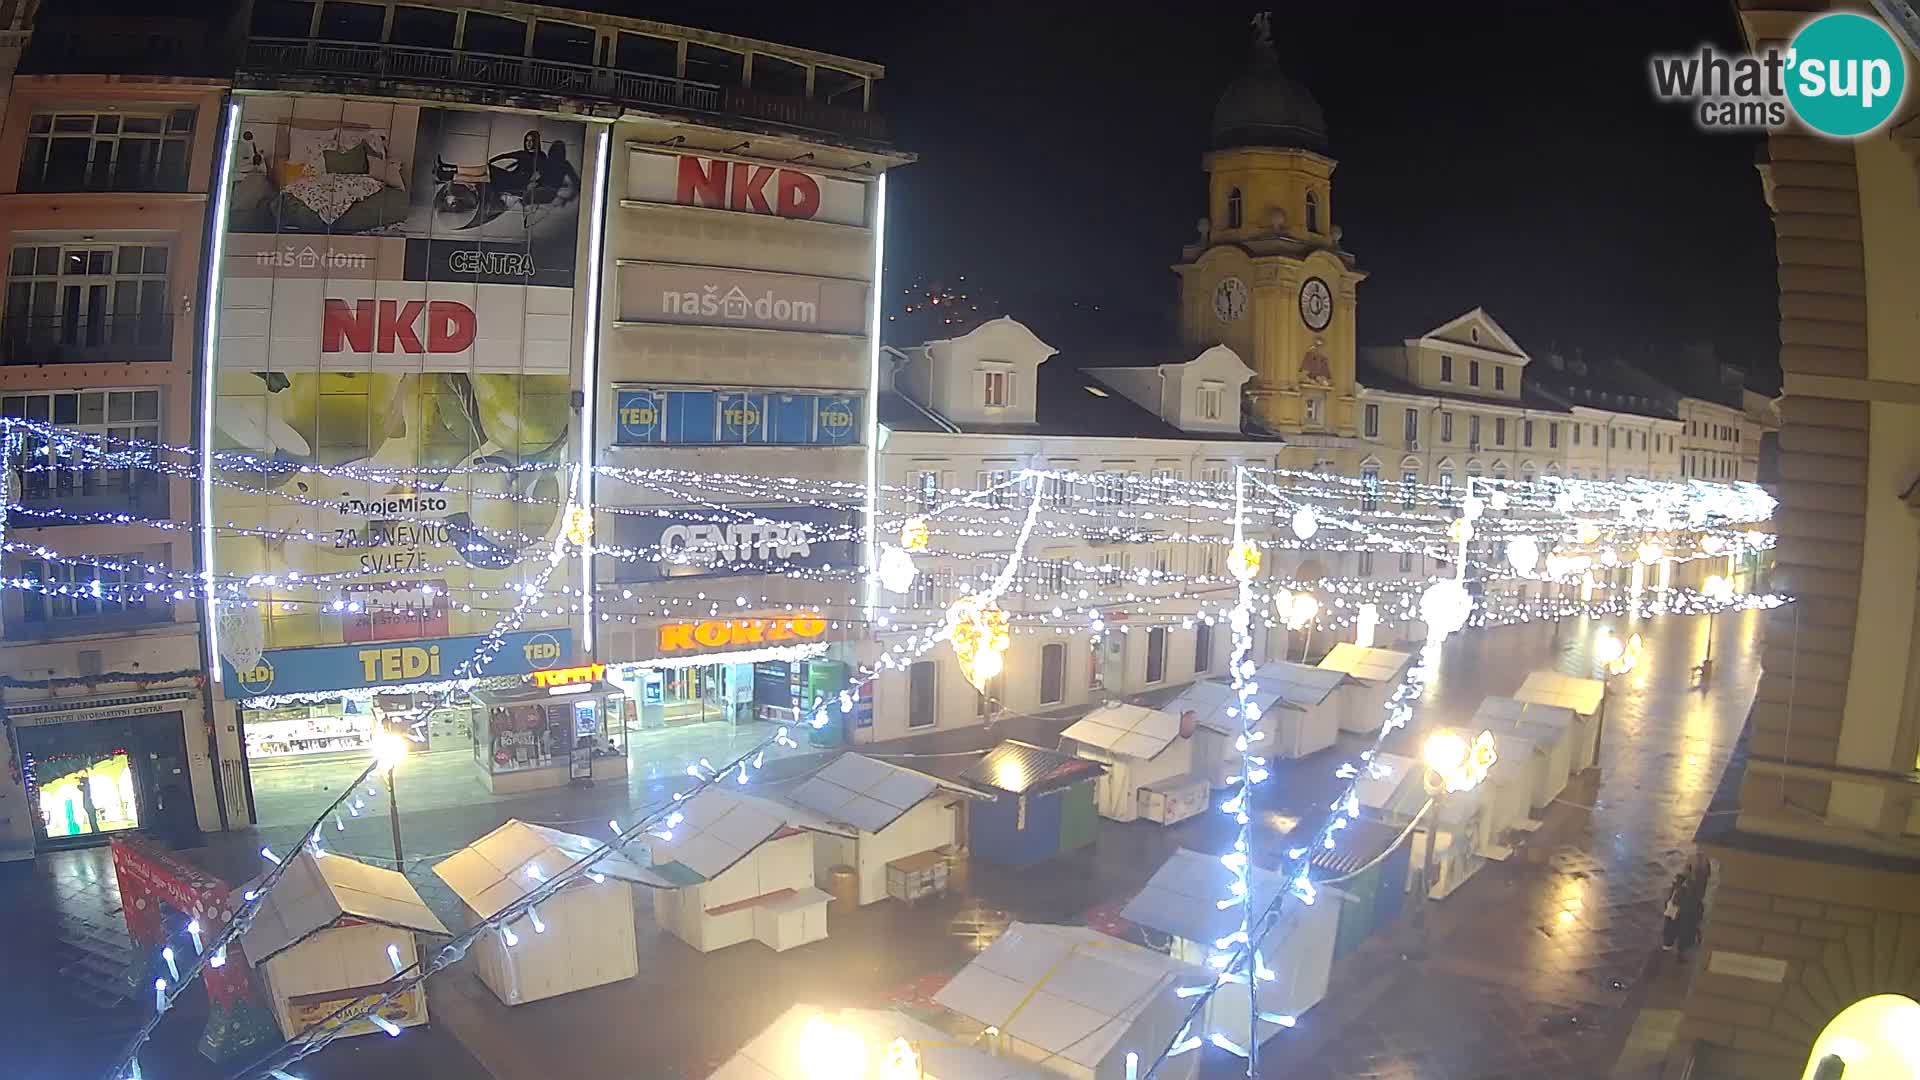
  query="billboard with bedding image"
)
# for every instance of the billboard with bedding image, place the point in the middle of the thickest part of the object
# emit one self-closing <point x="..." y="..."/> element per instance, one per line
<point x="395" y="359"/>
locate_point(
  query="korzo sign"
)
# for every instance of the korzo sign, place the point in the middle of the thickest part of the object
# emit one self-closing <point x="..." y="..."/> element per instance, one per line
<point x="715" y="296"/>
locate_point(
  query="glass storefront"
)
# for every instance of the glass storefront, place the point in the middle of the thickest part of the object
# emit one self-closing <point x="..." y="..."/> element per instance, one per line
<point x="528" y="729"/>
<point x="85" y="793"/>
<point x="347" y="725"/>
<point x="89" y="778"/>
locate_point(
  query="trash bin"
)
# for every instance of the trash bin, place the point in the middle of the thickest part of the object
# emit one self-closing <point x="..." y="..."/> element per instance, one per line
<point x="844" y="883"/>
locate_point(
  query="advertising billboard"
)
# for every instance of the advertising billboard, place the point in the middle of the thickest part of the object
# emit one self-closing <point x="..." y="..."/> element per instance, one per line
<point x="396" y="345"/>
<point x="721" y="296"/>
<point x="744" y="187"/>
<point x="764" y="540"/>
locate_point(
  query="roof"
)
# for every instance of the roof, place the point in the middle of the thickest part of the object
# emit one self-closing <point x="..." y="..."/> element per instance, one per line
<point x="717" y="829"/>
<point x="775" y="1053"/>
<point x="1024" y="769"/>
<point x="1263" y="107"/>
<point x="1374" y="378"/>
<point x="1126" y="730"/>
<point x="1378" y="791"/>
<point x="1567" y="691"/>
<point x="1361" y="842"/>
<point x="856" y="790"/>
<point x="318" y="892"/>
<point x="1530" y="720"/>
<point x="1073" y="992"/>
<point x="513" y="860"/>
<point x="1182" y="898"/>
<point x="1300" y="685"/>
<point x="1209" y="701"/>
<point x="1366" y="664"/>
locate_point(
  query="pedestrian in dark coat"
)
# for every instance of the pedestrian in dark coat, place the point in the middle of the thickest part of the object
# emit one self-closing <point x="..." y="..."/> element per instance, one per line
<point x="1670" y="929"/>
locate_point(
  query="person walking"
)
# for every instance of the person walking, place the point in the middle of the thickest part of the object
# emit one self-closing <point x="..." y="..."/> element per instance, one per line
<point x="1670" y="928"/>
<point x="1693" y="908"/>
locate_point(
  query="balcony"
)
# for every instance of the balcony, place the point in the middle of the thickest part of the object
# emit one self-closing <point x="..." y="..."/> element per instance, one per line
<point x="84" y="492"/>
<point x="87" y="339"/>
<point x="273" y="58"/>
<point x="41" y="628"/>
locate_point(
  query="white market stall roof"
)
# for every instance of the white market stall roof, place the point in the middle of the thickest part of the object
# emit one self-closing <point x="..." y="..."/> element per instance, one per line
<point x="513" y="860"/>
<point x="1378" y="791"/>
<point x="1071" y="991"/>
<point x="1210" y="701"/>
<point x="775" y="1053"/>
<point x="1567" y="691"/>
<point x="858" y="791"/>
<point x="1519" y="716"/>
<point x="1300" y="685"/>
<point x="1126" y="730"/>
<point x="319" y="892"/>
<point x="719" y="828"/>
<point x="1366" y="664"/>
<point x="1182" y="898"/>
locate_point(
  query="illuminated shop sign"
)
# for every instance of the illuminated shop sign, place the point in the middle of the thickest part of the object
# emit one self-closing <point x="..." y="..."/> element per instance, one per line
<point x="740" y="633"/>
<point x="700" y="417"/>
<point x="569" y="676"/>
<point x="753" y="299"/>
<point x="771" y="539"/>
<point x="347" y="667"/>
<point x="745" y="187"/>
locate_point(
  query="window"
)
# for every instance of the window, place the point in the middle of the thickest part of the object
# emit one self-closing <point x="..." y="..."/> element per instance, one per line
<point x="646" y="55"/>
<point x="1499" y="431"/>
<point x="58" y="473"/>
<point x="1156" y="654"/>
<point x="1499" y="470"/>
<point x="1208" y="401"/>
<point x="1316" y="408"/>
<point x="1613" y="438"/>
<point x="1053" y="673"/>
<point x="1313" y="212"/>
<point x="922" y="683"/>
<point x="1446" y="427"/>
<point x="1446" y="478"/>
<point x="1473" y="334"/>
<point x="565" y="42"/>
<point x="988" y="702"/>
<point x="1365" y="567"/>
<point x="1473" y="470"/>
<point x="1446" y="368"/>
<point x="1372" y="421"/>
<point x="1409" y="485"/>
<point x="1235" y="210"/>
<point x="351" y="22"/>
<point x="142" y="150"/>
<point x="925" y="593"/>
<point x="1576" y="433"/>
<point x="1162" y="560"/>
<point x="1553" y="436"/>
<point x="1054" y="575"/>
<point x="1526" y="433"/>
<point x="1473" y="431"/>
<point x="88" y="302"/>
<point x="1209" y="565"/>
<point x="928" y="483"/>
<point x="1499" y="376"/>
<point x="1412" y="427"/>
<point x="1059" y="492"/>
<point x="1594" y="430"/>
<point x="119" y="577"/>
<point x="1526" y="473"/>
<point x="1406" y="562"/>
<point x="1202" y="647"/>
<point x="1473" y="373"/>
<point x="995" y="484"/>
<point x="1110" y="488"/>
<point x="996" y="389"/>
<point x="1370" y="487"/>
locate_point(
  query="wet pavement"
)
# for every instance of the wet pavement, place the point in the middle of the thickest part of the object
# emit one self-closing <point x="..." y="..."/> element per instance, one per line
<point x="1538" y="966"/>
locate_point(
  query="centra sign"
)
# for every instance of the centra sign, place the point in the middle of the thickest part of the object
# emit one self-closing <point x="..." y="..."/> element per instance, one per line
<point x="731" y="633"/>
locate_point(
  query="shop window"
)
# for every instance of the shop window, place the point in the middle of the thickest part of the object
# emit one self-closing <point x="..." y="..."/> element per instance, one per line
<point x="922" y="680"/>
<point x="1236" y="211"/>
<point x="647" y="55"/>
<point x="1156" y="655"/>
<point x="721" y="67"/>
<point x="421" y="27"/>
<point x="138" y="149"/>
<point x="1202" y="647"/>
<point x="1053" y="673"/>
<point x="351" y="22"/>
<point x="495" y="34"/>
<point x="646" y="417"/>
<point x="282" y="18"/>
<point x="563" y="42"/>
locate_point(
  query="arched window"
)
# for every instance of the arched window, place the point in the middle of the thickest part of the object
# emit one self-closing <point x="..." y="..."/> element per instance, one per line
<point x="1526" y="474"/>
<point x="1313" y="212"/>
<point x="1235" y="209"/>
<point x="1499" y="470"/>
<point x="1446" y="478"/>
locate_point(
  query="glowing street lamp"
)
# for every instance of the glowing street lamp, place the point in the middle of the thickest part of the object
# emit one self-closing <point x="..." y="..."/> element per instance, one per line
<point x="1719" y="591"/>
<point x="389" y="750"/>
<point x="1454" y="763"/>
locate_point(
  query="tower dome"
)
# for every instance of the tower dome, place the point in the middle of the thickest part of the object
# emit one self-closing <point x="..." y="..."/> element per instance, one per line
<point x="1265" y="108"/>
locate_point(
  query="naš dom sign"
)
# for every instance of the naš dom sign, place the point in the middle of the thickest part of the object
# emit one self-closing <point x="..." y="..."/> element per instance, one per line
<point x="737" y="633"/>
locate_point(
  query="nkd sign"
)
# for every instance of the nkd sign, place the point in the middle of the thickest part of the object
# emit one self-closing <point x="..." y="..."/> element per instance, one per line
<point x="717" y="296"/>
<point x="745" y="187"/>
<point x="394" y="326"/>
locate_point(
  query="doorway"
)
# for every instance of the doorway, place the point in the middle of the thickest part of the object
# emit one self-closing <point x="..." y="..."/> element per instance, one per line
<point x="87" y="780"/>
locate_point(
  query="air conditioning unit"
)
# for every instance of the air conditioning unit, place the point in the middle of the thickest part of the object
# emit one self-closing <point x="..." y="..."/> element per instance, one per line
<point x="1413" y="444"/>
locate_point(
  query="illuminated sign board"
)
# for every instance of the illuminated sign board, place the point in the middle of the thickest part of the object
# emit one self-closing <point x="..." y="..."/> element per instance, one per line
<point x="745" y="187"/>
<point x="734" y="633"/>
<point x="348" y="667"/>
<point x="720" y="296"/>
<point x="569" y="676"/>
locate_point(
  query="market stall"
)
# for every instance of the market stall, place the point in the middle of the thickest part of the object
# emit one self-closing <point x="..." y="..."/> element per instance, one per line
<point x="1373" y="675"/>
<point x="1149" y="759"/>
<point x="1367" y="871"/>
<point x="1038" y="803"/>
<point x="329" y="934"/>
<point x="1307" y="720"/>
<point x="1216" y="725"/>
<point x="1551" y="731"/>
<point x="551" y="728"/>
<point x="1181" y="900"/>
<point x="875" y="815"/>
<point x="809" y="1042"/>
<point x="581" y="936"/>
<point x="741" y="870"/>
<point x="1587" y="698"/>
<point x="1076" y="1001"/>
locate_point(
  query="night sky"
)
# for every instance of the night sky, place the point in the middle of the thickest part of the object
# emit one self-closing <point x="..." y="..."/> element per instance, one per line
<point x="1503" y="154"/>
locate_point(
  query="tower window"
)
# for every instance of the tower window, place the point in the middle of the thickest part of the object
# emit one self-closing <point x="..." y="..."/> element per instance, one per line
<point x="1235" y="209"/>
<point x="1313" y="212"/>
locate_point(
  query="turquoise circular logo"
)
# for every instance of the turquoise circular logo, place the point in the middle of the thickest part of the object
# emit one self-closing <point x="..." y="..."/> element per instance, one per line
<point x="1846" y="74"/>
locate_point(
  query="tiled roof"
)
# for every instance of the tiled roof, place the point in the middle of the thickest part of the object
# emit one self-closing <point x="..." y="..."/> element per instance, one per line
<point x="1024" y="769"/>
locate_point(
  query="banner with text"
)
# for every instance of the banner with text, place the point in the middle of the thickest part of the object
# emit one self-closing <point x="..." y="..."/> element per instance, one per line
<point x="719" y="296"/>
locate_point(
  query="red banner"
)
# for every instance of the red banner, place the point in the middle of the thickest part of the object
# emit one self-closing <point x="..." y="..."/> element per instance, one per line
<point x="153" y="879"/>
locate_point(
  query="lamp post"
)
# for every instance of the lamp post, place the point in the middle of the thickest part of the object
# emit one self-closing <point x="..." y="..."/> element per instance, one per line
<point x="390" y="749"/>
<point x="1453" y="764"/>
<point x="1719" y="590"/>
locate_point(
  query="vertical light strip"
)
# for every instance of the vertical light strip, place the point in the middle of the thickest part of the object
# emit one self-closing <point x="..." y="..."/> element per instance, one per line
<point x="590" y="378"/>
<point x="209" y="352"/>
<point x="872" y="591"/>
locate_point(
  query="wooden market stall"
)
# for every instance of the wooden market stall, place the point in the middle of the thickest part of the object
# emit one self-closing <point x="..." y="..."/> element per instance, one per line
<point x="321" y="939"/>
<point x="742" y="870"/>
<point x="1550" y="728"/>
<point x="808" y="1042"/>
<point x="1039" y="803"/>
<point x="1367" y="871"/>
<point x="1307" y="720"/>
<point x="582" y="936"/>
<point x="1076" y="1001"/>
<point x="1149" y="759"/>
<point x="1373" y="675"/>
<point x="1587" y="698"/>
<point x="877" y="817"/>
<point x="1216" y="725"/>
<point x="1457" y="825"/>
<point x="1181" y="900"/>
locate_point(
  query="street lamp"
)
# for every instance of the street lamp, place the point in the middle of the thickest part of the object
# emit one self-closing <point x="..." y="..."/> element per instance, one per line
<point x="1718" y="590"/>
<point x="1454" y="764"/>
<point x="389" y="750"/>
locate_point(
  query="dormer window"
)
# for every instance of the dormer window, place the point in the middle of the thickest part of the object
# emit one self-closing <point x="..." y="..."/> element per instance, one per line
<point x="1207" y="400"/>
<point x="1313" y="212"/>
<point x="996" y="388"/>
<point x="1236" y="209"/>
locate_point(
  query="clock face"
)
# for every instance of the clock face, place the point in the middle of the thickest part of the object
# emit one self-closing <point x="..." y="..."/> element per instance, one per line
<point x="1316" y="304"/>
<point x="1229" y="299"/>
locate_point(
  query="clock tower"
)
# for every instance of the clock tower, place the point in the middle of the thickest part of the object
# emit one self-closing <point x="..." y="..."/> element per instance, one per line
<point x="1266" y="276"/>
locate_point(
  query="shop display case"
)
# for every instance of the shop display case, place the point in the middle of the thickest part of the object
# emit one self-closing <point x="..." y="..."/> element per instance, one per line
<point x="523" y="741"/>
<point x="302" y="730"/>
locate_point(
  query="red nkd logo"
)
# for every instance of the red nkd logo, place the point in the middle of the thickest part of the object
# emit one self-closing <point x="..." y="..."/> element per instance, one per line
<point x="737" y="185"/>
<point x="389" y="326"/>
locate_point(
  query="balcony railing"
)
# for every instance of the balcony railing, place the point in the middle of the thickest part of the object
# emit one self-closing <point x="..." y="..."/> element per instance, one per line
<point x="87" y="339"/>
<point x="82" y="492"/>
<point x="372" y="60"/>
<point x="153" y="613"/>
